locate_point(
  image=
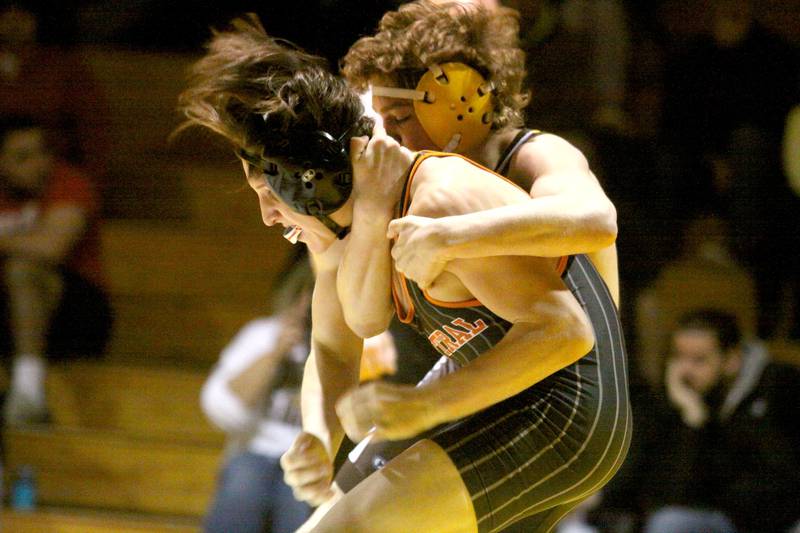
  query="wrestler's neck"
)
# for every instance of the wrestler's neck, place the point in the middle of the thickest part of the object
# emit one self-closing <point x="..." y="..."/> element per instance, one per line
<point x="489" y="152"/>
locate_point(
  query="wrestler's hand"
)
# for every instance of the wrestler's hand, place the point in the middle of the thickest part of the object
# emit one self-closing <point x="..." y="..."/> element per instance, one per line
<point x="395" y="411"/>
<point x="315" y="518"/>
<point x="308" y="470"/>
<point x="380" y="165"/>
<point x="418" y="251"/>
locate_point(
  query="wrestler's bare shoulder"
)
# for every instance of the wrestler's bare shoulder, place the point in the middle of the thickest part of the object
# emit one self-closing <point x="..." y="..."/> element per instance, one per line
<point x="452" y="185"/>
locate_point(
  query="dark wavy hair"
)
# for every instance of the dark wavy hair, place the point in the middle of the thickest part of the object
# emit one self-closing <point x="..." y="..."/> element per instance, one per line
<point x="722" y="324"/>
<point x="260" y="92"/>
<point x="424" y="33"/>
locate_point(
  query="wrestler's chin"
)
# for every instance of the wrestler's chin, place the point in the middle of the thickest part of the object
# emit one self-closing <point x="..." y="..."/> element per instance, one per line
<point x="316" y="243"/>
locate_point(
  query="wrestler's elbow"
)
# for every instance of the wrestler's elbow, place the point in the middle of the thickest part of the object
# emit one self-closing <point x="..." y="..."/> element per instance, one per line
<point x="368" y="324"/>
<point x="601" y="224"/>
<point x="607" y="223"/>
<point x="578" y="334"/>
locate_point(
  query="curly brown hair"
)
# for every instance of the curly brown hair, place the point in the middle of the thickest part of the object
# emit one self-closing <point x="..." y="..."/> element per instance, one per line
<point x="424" y="33"/>
<point x="260" y="92"/>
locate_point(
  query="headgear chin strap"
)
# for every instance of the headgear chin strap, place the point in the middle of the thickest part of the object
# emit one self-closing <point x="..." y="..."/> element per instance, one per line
<point x="453" y="102"/>
<point x="317" y="185"/>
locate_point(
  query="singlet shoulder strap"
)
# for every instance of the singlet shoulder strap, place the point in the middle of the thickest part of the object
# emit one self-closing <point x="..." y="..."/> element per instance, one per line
<point x="405" y="196"/>
<point x="519" y="140"/>
<point x="503" y="166"/>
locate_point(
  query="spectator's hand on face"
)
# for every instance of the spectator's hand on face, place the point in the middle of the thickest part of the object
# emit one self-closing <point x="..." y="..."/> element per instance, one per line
<point x="308" y="469"/>
<point x="380" y="165"/>
<point x="688" y="401"/>
<point x="418" y="251"/>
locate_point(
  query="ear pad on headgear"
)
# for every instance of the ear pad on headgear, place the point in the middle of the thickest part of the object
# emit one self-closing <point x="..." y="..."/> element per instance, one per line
<point x="457" y="102"/>
<point x="317" y="184"/>
<point x="309" y="189"/>
<point x="453" y="103"/>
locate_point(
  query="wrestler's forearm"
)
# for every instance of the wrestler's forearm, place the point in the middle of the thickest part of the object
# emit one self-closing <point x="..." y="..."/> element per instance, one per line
<point x="333" y="365"/>
<point x="324" y="380"/>
<point x="549" y="226"/>
<point x="364" y="276"/>
<point x="528" y="354"/>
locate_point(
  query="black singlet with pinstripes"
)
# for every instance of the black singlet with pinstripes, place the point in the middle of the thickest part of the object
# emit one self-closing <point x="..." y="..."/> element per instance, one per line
<point x="530" y="459"/>
<point x="568" y="405"/>
<point x="463" y="330"/>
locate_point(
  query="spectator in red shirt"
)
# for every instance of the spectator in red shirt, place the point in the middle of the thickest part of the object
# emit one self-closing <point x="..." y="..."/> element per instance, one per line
<point x="52" y="302"/>
<point x="53" y="84"/>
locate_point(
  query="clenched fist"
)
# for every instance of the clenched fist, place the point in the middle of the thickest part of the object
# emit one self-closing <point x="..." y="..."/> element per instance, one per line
<point x="418" y="250"/>
<point x="395" y="411"/>
<point x="380" y="165"/>
<point x="308" y="469"/>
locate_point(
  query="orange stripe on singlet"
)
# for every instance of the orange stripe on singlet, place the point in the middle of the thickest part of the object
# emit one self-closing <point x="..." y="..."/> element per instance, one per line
<point x="562" y="265"/>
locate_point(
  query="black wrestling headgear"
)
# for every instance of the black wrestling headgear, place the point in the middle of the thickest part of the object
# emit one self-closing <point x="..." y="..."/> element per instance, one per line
<point x="317" y="183"/>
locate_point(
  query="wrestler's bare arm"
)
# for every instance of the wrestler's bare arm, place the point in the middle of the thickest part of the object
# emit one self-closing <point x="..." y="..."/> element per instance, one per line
<point x="550" y="330"/>
<point x="379" y="167"/>
<point x="568" y="213"/>
<point x="331" y="369"/>
<point x="336" y="355"/>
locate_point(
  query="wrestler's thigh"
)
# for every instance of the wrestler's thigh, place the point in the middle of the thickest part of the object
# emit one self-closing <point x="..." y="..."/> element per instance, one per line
<point x="420" y="490"/>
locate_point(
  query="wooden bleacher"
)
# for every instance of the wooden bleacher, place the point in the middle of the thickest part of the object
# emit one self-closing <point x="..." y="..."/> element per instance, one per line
<point x="188" y="262"/>
<point x="142" y="402"/>
<point x="55" y="520"/>
<point x="181" y="292"/>
<point x="102" y="470"/>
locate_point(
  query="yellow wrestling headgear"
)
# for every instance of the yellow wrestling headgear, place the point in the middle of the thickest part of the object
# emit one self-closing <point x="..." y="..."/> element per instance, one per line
<point x="453" y="102"/>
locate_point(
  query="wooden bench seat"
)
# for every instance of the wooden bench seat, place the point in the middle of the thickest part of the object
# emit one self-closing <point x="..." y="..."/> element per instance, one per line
<point x="55" y="520"/>
<point x="182" y="293"/>
<point x="103" y="470"/>
<point x="159" y="403"/>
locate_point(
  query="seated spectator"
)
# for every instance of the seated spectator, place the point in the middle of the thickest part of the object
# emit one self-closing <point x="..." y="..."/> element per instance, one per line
<point x="723" y="449"/>
<point x="54" y="85"/>
<point x="253" y="395"/>
<point x="706" y="274"/>
<point x="52" y="302"/>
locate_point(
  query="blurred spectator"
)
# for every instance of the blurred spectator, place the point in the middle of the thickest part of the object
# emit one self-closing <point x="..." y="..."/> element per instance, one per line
<point x="53" y="85"/>
<point x="719" y="450"/>
<point x="706" y="274"/>
<point x="52" y="302"/>
<point x="253" y="395"/>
